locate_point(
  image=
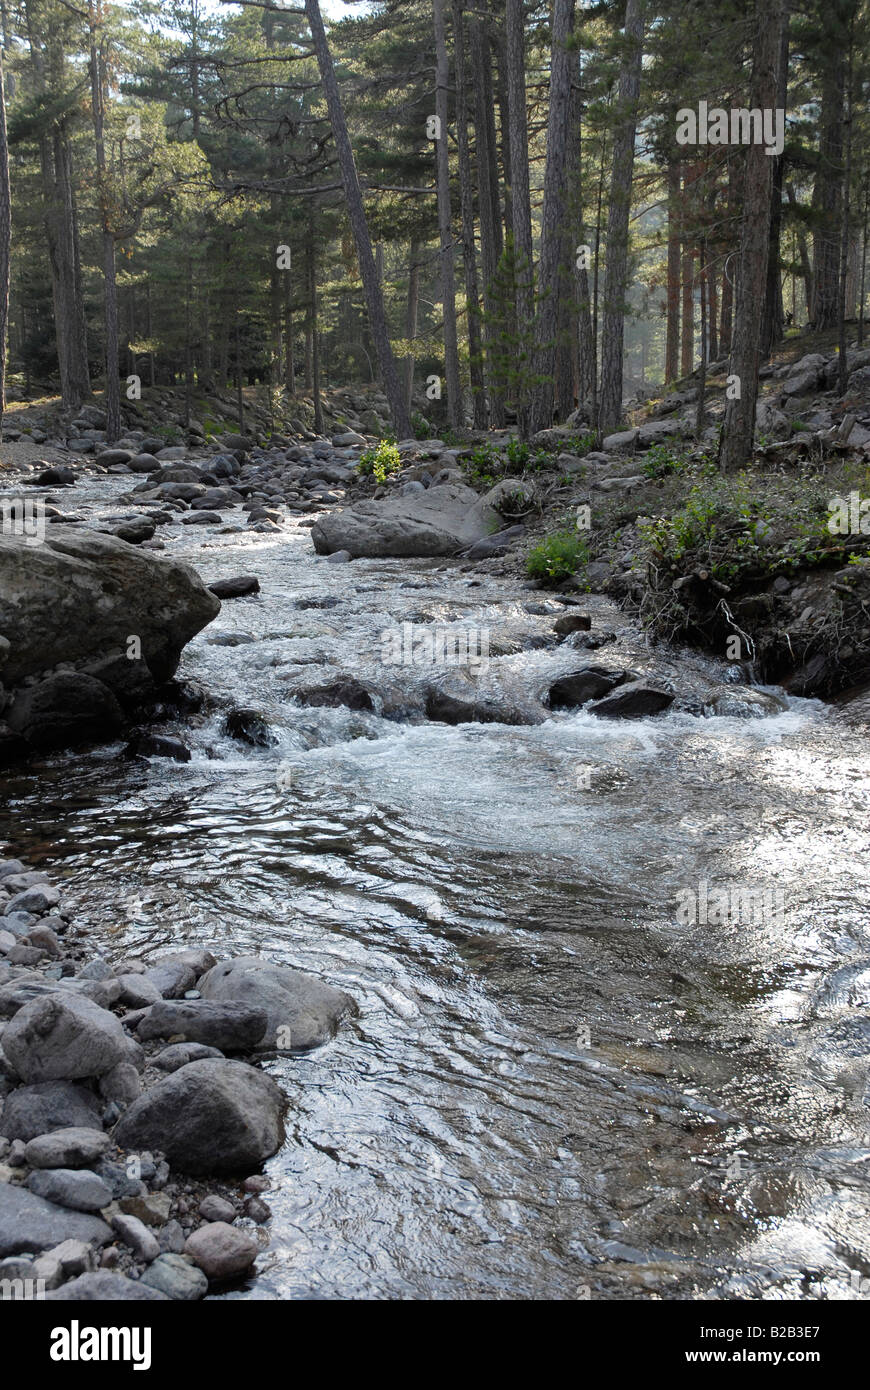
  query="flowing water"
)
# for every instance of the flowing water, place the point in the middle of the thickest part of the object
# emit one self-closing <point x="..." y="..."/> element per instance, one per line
<point x="558" y="1086"/>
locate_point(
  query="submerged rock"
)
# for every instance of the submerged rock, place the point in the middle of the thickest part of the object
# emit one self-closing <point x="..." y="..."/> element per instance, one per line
<point x="302" y="1012"/>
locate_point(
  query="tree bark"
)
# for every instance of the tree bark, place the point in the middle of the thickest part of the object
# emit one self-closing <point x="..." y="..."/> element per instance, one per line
<point x="411" y="311"/>
<point x="672" y="336"/>
<point x="5" y="239"/>
<point x="356" y="213"/>
<point x="489" y="211"/>
<point x="616" y="271"/>
<point x="519" y="184"/>
<point x="738" y="432"/>
<point x="773" y="324"/>
<point x="551" y="276"/>
<point x="113" y="392"/>
<point x="312" y="320"/>
<point x="455" y="412"/>
<point x="469" y="249"/>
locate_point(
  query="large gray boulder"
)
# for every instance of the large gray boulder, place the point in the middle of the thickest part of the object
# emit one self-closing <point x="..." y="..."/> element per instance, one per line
<point x="77" y="597"/>
<point x="208" y="1117"/>
<point x="230" y="1027"/>
<point x="442" y="521"/>
<point x="64" y="1037"/>
<point x="301" y="1011"/>
<point x="29" y="1223"/>
<point x="49" y="1105"/>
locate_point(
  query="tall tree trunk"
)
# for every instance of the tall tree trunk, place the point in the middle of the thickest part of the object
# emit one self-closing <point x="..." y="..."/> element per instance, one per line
<point x="411" y="311"/>
<point x="843" y="369"/>
<point x="616" y="272"/>
<point x="469" y="250"/>
<point x="60" y="221"/>
<point x="113" y="390"/>
<point x="289" y="365"/>
<point x="515" y="48"/>
<point x="356" y="212"/>
<point x="773" y="323"/>
<point x="738" y="432"/>
<point x="551" y="286"/>
<point x="827" y="190"/>
<point x="5" y="239"/>
<point x="455" y="412"/>
<point x="672" y="336"/>
<point x="574" y="282"/>
<point x="312" y="319"/>
<point x="487" y="195"/>
<point x="806" y="267"/>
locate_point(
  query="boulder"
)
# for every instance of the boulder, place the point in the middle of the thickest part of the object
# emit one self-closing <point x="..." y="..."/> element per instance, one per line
<point x="66" y="708"/>
<point x="171" y="976"/>
<point x="302" y="1012"/>
<point x="221" y="1251"/>
<point x="208" y="1117"/>
<point x="67" y="1148"/>
<point x="235" y="588"/>
<point x="444" y="520"/>
<point x="578" y="687"/>
<point x="632" y="700"/>
<point x="228" y="1026"/>
<point x="64" y="1036"/>
<point x="176" y="1277"/>
<point x="49" y="1105"/>
<point x="76" y="1188"/>
<point x="29" y="1223"/>
<point x="80" y="595"/>
<point x="622" y="439"/>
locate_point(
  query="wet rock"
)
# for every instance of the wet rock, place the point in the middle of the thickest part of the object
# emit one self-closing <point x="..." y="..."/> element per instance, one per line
<point x="78" y="1189"/>
<point x="235" y="588"/>
<point x="575" y="689"/>
<point x="231" y="1027"/>
<point x="572" y="622"/>
<point x="249" y="726"/>
<point x="81" y="594"/>
<point x="56" y="476"/>
<point x="632" y="701"/>
<point x="208" y="1117"/>
<point x="499" y="543"/>
<point x="221" y="1251"/>
<point x="29" y="1223"/>
<point x="64" y="1036"/>
<point x="302" y="1011"/>
<point x="49" y="1105"/>
<point x="67" y="1148"/>
<point x="66" y="708"/>
<point x="176" y="1277"/>
<point x="39" y="900"/>
<point x="348" y="692"/>
<point x="158" y="746"/>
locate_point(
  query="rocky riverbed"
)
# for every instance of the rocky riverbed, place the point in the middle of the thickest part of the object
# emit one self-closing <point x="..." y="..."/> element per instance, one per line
<point x="402" y="781"/>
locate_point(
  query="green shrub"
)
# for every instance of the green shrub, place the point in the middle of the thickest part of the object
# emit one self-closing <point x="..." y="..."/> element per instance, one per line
<point x="380" y="462"/>
<point x="557" y="557"/>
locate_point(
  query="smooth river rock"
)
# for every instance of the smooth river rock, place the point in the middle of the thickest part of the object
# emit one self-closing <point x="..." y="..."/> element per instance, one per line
<point x="302" y="1012"/>
<point x="208" y="1117"/>
<point x="64" y="1036"/>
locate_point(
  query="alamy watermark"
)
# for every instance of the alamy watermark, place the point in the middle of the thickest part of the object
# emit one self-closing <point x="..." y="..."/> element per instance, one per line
<point x="23" y="516"/>
<point x="738" y="126"/>
<point x="435" y="646"/>
<point x="849" y="516"/>
<point x="736" y="904"/>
